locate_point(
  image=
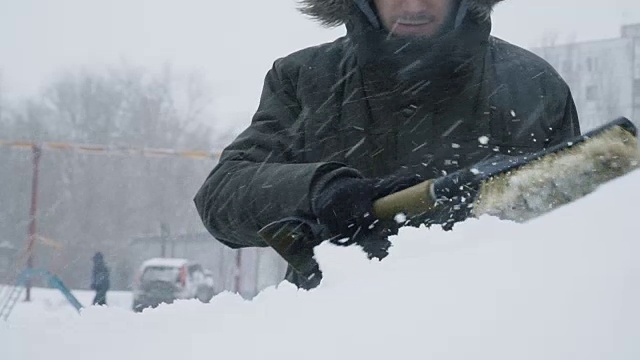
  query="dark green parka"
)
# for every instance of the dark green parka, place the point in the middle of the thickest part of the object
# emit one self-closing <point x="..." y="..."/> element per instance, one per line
<point x="376" y="105"/>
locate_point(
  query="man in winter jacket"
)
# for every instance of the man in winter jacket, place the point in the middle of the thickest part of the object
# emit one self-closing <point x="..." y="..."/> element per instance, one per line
<point x="415" y="90"/>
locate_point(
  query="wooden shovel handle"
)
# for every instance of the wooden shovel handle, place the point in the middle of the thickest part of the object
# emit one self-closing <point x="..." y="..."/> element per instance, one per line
<point x="411" y="201"/>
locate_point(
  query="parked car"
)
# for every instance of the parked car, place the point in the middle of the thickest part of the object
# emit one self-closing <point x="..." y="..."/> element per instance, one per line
<point x="164" y="280"/>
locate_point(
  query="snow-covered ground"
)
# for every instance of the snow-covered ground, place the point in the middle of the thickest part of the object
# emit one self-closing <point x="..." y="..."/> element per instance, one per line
<point x="51" y="304"/>
<point x="564" y="286"/>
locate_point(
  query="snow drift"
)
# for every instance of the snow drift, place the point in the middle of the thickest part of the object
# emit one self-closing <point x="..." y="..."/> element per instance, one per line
<point x="563" y="286"/>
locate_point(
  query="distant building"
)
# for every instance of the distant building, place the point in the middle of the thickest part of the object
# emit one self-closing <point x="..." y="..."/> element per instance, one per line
<point x="604" y="75"/>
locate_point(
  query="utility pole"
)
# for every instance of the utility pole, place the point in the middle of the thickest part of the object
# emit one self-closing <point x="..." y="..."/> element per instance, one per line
<point x="164" y="235"/>
<point x="238" y="277"/>
<point x="37" y="152"/>
<point x="256" y="288"/>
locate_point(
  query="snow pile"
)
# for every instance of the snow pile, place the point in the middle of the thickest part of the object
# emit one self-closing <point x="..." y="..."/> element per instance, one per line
<point x="51" y="304"/>
<point x="563" y="286"/>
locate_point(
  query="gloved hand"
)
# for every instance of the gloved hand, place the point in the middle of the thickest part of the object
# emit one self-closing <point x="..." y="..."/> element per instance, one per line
<point x="345" y="207"/>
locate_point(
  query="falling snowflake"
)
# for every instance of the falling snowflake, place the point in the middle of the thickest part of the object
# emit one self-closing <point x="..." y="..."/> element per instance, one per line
<point x="400" y="218"/>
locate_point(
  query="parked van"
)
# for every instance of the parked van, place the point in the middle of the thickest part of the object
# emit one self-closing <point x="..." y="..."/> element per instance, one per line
<point x="164" y="280"/>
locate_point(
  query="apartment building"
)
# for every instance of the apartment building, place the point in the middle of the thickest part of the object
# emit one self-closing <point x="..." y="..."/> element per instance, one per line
<point x="604" y="75"/>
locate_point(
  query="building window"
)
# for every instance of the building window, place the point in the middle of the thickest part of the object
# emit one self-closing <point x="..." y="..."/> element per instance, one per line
<point x="592" y="64"/>
<point x="592" y="93"/>
<point x="636" y="66"/>
<point x="631" y="30"/>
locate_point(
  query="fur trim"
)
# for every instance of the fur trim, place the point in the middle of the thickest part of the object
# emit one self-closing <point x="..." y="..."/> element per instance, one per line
<point x="482" y="7"/>
<point x="332" y="13"/>
<point x="329" y="13"/>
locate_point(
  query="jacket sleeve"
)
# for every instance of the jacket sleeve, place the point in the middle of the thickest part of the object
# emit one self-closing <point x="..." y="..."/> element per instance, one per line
<point x="260" y="177"/>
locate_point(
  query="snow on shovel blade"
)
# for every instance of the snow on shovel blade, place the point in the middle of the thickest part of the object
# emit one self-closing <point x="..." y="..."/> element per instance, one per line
<point x="561" y="174"/>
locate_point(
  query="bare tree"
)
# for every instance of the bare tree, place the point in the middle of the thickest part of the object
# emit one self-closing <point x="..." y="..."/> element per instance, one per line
<point x="128" y="105"/>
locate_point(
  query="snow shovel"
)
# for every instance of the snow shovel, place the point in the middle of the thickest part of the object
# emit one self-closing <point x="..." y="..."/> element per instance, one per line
<point x="516" y="188"/>
<point x="520" y="188"/>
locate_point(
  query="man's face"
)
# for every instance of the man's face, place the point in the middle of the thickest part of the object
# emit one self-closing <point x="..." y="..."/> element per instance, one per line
<point x="413" y="17"/>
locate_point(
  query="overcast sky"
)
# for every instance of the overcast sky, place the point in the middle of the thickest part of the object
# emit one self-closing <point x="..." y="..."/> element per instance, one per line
<point x="232" y="43"/>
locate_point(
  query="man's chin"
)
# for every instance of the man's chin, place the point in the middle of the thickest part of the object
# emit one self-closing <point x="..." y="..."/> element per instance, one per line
<point x="405" y="30"/>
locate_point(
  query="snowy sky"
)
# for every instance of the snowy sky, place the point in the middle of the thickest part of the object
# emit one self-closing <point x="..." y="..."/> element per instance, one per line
<point x="232" y="43"/>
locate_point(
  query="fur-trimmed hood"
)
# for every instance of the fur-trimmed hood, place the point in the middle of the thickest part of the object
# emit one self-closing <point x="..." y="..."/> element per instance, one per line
<point x="336" y="12"/>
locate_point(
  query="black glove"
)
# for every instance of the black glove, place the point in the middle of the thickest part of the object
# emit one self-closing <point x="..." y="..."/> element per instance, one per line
<point x="396" y="182"/>
<point x="345" y="207"/>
